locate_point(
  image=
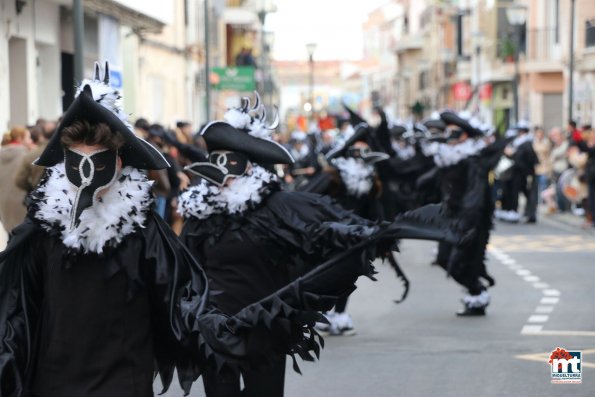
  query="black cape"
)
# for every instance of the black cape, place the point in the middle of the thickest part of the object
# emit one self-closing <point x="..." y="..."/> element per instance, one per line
<point x="152" y="259"/>
<point x="325" y="247"/>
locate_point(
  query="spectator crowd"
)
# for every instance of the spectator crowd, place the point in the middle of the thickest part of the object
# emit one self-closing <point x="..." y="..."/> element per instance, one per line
<point x="562" y="181"/>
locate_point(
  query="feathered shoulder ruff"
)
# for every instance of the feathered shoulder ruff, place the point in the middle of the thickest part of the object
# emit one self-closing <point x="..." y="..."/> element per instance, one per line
<point x="119" y="212"/>
<point x="245" y="193"/>
<point x="357" y="176"/>
<point x="446" y="155"/>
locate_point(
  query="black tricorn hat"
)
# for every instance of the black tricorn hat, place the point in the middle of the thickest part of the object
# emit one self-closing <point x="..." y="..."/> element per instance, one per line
<point x="451" y="118"/>
<point x="361" y="134"/>
<point x="220" y="135"/>
<point x="436" y="124"/>
<point x="88" y="107"/>
<point x="354" y="118"/>
<point x="397" y="130"/>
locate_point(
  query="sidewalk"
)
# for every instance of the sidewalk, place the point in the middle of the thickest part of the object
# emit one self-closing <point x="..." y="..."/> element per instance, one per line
<point x="567" y="220"/>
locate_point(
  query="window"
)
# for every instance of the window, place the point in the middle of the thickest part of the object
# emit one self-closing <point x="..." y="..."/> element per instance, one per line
<point x="590" y="33"/>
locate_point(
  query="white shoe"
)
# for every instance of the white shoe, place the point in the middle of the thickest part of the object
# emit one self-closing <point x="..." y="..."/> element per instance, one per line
<point x="342" y="325"/>
<point x="512" y="216"/>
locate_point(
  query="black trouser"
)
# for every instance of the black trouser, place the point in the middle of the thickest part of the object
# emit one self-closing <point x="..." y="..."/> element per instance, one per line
<point x="591" y="201"/>
<point x="510" y="194"/>
<point x="464" y="264"/>
<point x="531" y="193"/>
<point x="266" y="381"/>
<point x="341" y="304"/>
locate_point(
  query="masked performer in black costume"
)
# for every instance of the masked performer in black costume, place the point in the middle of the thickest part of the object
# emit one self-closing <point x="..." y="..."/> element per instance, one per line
<point x="96" y="292"/>
<point x="520" y="178"/>
<point x="351" y="179"/>
<point x="361" y="177"/>
<point x="273" y="258"/>
<point x="465" y="162"/>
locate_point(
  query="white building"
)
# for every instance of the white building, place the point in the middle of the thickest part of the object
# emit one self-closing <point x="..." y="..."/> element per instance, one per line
<point x="36" y="52"/>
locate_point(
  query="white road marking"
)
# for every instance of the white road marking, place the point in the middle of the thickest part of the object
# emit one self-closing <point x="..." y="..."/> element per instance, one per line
<point x="541" y="285"/>
<point x="531" y="279"/>
<point x="550" y="296"/>
<point x="538" y="318"/>
<point x="544" y="309"/>
<point x="549" y="300"/>
<point x="531" y="329"/>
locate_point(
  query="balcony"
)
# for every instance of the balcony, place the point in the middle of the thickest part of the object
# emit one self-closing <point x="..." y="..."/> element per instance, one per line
<point x="409" y="43"/>
<point x="544" y="50"/>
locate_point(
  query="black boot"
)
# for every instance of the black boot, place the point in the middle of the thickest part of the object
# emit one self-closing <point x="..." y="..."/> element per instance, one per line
<point x="475" y="305"/>
<point x="472" y="311"/>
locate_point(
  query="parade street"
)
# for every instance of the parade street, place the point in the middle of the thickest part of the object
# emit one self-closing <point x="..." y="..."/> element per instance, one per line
<point x="542" y="300"/>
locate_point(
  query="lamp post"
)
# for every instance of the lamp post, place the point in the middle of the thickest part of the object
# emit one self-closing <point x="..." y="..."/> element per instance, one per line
<point x="262" y="14"/>
<point x="516" y="14"/>
<point x="311" y="47"/>
<point x="266" y="7"/>
<point x="269" y="38"/>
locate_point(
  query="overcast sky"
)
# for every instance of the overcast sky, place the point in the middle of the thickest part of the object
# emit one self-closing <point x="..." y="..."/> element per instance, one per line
<point x="334" y="25"/>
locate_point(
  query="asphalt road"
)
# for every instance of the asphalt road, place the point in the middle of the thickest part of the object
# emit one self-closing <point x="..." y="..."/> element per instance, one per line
<point x="543" y="299"/>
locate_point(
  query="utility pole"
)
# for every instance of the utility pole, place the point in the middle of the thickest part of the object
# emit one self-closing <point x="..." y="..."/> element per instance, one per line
<point x="571" y="71"/>
<point x="262" y="15"/>
<point x="79" y="39"/>
<point x="207" y="63"/>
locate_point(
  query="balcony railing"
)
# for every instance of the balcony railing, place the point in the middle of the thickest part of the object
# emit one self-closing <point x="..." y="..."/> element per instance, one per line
<point x="543" y="45"/>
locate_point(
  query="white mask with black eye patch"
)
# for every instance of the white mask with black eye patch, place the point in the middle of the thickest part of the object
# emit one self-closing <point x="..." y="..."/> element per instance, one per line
<point x="89" y="173"/>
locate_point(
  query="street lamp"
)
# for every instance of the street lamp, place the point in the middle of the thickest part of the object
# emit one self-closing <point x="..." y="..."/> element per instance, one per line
<point x="265" y="7"/>
<point x="516" y="14"/>
<point x="269" y="39"/>
<point x="311" y="47"/>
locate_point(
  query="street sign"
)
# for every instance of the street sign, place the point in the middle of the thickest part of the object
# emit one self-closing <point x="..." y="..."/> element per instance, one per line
<point x="115" y="78"/>
<point x="239" y="78"/>
<point x="462" y="91"/>
<point x="486" y="92"/>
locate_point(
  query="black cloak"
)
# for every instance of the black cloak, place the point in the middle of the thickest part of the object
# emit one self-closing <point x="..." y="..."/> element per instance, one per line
<point x="150" y="260"/>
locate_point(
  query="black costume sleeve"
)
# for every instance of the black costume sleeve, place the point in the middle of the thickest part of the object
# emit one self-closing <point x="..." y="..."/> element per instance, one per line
<point x="490" y="156"/>
<point x="525" y="159"/>
<point x="178" y="293"/>
<point x="20" y="297"/>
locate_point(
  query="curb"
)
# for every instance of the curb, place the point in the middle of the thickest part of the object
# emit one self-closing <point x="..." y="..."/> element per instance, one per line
<point x="575" y="225"/>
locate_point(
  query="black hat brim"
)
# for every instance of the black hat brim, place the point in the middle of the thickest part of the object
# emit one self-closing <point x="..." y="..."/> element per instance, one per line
<point x="451" y="118"/>
<point x="135" y="152"/>
<point x="435" y="124"/>
<point x="397" y="131"/>
<point x="219" y="135"/>
<point x="375" y="157"/>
